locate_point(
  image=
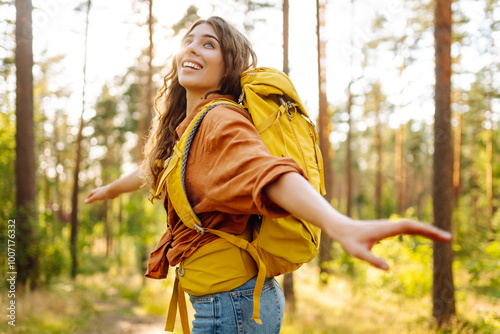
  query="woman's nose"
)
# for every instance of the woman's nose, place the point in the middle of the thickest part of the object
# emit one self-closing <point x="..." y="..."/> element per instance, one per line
<point x="191" y="49"/>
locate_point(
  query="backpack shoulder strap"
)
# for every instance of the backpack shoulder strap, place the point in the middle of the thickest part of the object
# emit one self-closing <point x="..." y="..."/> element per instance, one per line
<point x="173" y="174"/>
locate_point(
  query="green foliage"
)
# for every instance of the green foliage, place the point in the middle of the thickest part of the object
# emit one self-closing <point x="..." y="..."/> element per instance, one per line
<point x="410" y="260"/>
<point x="345" y="306"/>
<point x="55" y="259"/>
<point x="367" y="299"/>
<point x="149" y="299"/>
<point x="487" y="267"/>
<point x="7" y="159"/>
<point x="61" y="308"/>
<point x="412" y="268"/>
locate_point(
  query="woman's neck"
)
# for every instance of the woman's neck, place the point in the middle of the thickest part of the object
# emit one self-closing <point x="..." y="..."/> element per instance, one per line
<point x="194" y="98"/>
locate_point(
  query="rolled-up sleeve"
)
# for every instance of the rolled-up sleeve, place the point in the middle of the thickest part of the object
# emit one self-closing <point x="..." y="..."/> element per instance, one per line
<point x="239" y="166"/>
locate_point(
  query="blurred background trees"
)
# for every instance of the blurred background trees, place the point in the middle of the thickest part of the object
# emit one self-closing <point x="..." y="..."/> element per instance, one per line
<point x="376" y="139"/>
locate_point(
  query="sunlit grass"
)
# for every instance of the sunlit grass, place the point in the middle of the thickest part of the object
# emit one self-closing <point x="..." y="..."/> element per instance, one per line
<point x="357" y="299"/>
<point x="371" y="301"/>
<point x="341" y="307"/>
<point x="62" y="308"/>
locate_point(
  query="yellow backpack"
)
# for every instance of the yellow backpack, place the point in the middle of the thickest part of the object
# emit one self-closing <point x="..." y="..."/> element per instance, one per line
<point x="278" y="246"/>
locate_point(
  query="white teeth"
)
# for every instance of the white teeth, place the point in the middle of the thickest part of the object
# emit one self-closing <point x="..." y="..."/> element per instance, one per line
<point x="191" y="65"/>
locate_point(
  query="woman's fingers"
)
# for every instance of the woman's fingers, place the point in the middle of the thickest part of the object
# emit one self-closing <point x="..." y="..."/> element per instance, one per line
<point x="382" y="230"/>
<point x="363" y="236"/>
<point x="363" y="253"/>
<point x="94" y="195"/>
<point x="424" y="230"/>
<point x="90" y="198"/>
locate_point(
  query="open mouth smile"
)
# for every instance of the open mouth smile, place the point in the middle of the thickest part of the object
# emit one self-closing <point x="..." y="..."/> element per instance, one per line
<point x="189" y="64"/>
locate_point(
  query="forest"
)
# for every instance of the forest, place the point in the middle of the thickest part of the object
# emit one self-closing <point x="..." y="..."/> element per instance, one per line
<point x="406" y="98"/>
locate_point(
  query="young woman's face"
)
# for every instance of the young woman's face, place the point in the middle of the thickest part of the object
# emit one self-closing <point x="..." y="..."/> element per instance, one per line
<point x="200" y="64"/>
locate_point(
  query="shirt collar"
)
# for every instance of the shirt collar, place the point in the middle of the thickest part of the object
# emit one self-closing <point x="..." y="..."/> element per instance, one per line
<point x="185" y="123"/>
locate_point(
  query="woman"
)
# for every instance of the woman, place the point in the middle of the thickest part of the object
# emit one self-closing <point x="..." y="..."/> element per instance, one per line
<point x="232" y="176"/>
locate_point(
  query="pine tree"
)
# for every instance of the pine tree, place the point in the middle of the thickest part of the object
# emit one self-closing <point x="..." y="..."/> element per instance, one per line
<point x="26" y="222"/>
<point x="443" y="290"/>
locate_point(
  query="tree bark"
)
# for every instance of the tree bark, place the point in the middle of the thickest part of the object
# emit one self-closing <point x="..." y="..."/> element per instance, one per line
<point x="443" y="289"/>
<point x="474" y="182"/>
<point x="289" y="292"/>
<point x="74" y="203"/>
<point x="76" y="175"/>
<point x="399" y="178"/>
<point x="325" y="250"/>
<point x="26" y="221"/>
<point x="285" y="37"/>
<point x="107" y="227"/>
<point x="149" y="94"/>
<point x="378" y="149"/>
<point x="489" y="164"/>
<point x="348" y="161"/>
<point x="58" y="198"/>
<point x="147" y="105"/>
<point x="420" y="194"/>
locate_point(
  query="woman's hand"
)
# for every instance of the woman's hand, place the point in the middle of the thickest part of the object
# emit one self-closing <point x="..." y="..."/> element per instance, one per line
<point x="99" y="194"/>
<point x="294" y="194"/>
<point x="127" y="183"/>
<point x="358" y="237"/>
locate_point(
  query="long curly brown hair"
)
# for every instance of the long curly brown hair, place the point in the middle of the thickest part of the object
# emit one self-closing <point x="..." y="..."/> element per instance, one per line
<point x="170" y="102"/>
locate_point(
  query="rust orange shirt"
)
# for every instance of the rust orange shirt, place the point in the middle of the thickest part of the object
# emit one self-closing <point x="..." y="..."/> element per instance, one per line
<point x="228" y="167"/>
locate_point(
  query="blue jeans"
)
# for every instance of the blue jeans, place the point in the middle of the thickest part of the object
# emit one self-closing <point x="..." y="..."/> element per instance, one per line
<point x="231" y="312"/>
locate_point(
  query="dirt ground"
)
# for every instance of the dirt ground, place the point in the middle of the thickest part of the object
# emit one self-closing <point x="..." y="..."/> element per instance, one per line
<point x="118" y="317"/>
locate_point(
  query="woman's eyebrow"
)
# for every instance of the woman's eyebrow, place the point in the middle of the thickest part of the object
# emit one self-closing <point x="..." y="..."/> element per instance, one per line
<point x="211" y="36"/>
<point x="205" y="35"/>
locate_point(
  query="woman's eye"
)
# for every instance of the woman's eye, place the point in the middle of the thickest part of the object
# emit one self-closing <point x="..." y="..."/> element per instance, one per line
<point x="209" y="45"/>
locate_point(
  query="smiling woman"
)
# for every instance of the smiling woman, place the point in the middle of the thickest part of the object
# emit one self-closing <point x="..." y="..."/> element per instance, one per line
<point x="223" y="53"/>
<point x="200" y="63"/>
<point x="231" y="176"/>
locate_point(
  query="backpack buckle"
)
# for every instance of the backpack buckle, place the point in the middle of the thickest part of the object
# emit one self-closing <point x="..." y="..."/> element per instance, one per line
<point x="199" y="229"/>
<point x="242" y="97"/>
<point x="287" y="105"/>
<point x="167" y="161"/>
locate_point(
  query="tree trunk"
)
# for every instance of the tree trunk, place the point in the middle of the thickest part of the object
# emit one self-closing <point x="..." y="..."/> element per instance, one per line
<point x="489" y="165"/>
<point x="58" y="198"/>
<point x="474" y="183"/>
<point x="76" y="175"/>
<point x="74" y="203"/>
<point x="146" y="106"/>
<point x="325" y="250"/>
<point x="285" y="37"/>
<point x="26" y="238"/>
<point x="420" y="194"/>
<point x="348" y="162"/>
<point x="378" y="149"/>
<point x="149" y="93"/>
<point x="288" y="291"/>
<point x="443" y="289"/>
<point x="107" y="227"/>
<point x="399" y="178"/>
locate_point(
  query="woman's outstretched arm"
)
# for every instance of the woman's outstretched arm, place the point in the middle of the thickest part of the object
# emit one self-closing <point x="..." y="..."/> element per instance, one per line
<point x="127" y="183"/>
<point x="293" y="193"/>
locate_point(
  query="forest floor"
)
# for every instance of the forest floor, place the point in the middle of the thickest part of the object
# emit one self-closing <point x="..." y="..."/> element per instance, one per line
<point x="119" y="316"/>
<point x="126" y="304"/>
